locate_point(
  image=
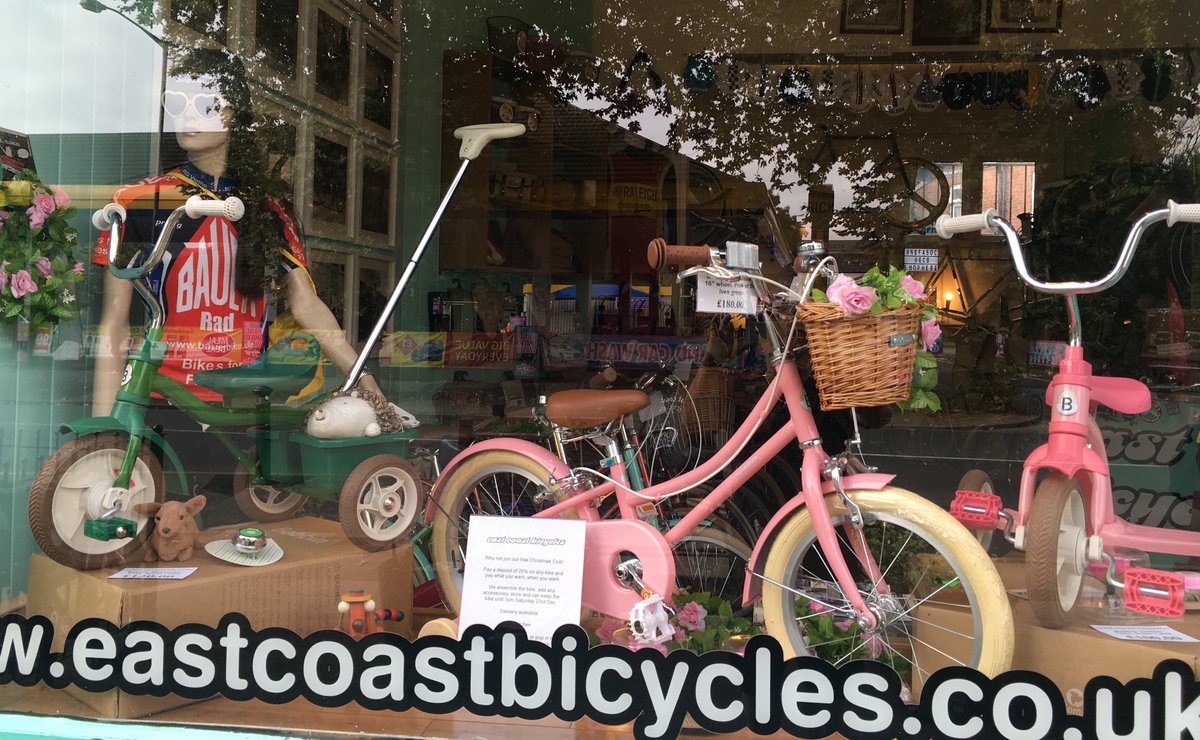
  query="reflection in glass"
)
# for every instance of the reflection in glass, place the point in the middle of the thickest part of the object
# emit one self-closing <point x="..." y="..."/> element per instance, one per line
<point x="376" y="195"/>
<point x="275" y="30"/>
<point x="207" y="17"/>
<point x="377" y="88"/>
<point x="329" y="180"/>
<point x="330" y="281"/>
<point x="386" y="8"/>
<point x="333" y="62"/>
<point x="371" y="300"/>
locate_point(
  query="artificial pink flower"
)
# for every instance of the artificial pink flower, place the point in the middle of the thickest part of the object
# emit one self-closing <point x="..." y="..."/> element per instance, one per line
<point x="679" y="635"/>
<point x="44" y="202"/>
<point x="874" y="645"/>
<point x="913" y="287"/>
<point x="660" y="648"/>
<point x="22" y="284"/>
<point x="43" y="266"/>
<point x="817" y="607"/>
<point x="835" y="289"/>
<point x="37" y="217"/>
<point x="843" y="624"/>
<point x="605" y="631"/>
<point x="61" y="199"/>
<point x="78" y="268"/>
<point x="691" y="616"/>
<point x="930" y="333"/>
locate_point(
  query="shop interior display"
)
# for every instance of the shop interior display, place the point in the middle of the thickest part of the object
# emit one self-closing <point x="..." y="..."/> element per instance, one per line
<point x="815" y="550"/>
<point x="173" y="529"/>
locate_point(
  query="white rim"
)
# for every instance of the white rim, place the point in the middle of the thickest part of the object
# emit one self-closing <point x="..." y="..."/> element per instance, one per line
<point x="87" y="479"/>
<point x="387" y="504"/>
<point x="1069" y="560"/>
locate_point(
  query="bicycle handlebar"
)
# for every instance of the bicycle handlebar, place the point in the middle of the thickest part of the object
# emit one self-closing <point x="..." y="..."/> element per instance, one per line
<point x="113" y="215"/>
<point x="660" y="254"/>
<point x="948" y="226"/>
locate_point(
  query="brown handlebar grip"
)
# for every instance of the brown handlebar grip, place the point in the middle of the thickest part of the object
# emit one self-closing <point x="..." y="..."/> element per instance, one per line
<point x="660" y="254"/>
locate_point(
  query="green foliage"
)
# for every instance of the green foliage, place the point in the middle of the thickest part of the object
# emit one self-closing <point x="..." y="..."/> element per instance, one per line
<point x="836" y="640"/>
<point x="37" y="267"/>
<point x="720" y="623"/>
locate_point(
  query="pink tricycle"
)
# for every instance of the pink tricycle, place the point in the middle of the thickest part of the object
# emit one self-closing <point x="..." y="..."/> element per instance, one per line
<point x="1064" y="521"/>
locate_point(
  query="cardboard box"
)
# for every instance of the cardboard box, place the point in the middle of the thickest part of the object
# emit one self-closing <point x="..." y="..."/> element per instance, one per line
<point x="1077" y="653"/>
<point x="300" y="592"/>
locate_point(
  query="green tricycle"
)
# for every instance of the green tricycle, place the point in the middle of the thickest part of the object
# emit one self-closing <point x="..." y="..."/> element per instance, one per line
<point x="82" y="501"/>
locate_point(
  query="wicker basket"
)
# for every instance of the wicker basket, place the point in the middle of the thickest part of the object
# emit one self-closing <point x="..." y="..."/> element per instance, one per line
<point x="711" y="389"/>
<point x="862" y="360"/>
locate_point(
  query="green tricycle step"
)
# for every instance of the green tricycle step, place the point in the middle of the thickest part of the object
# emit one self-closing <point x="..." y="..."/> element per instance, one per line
<point x="328" y="462"/>
<point x="113" y="528"/>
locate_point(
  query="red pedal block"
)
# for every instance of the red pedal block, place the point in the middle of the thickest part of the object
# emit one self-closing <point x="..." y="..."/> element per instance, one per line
<point x="1155" y="592"/>
<point x="975" y="509"/>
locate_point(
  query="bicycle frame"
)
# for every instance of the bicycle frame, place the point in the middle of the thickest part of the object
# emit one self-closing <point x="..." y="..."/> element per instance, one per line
<point x="816" y="466"/>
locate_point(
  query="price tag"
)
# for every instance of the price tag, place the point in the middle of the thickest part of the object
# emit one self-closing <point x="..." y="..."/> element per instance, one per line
<point x="725" y="296"/>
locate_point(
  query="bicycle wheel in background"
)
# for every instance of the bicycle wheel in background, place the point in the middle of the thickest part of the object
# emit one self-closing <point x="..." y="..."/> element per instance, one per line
<point x="943" y="604"/>
<point x="916" y="192"/>
<point x="492" y="483"/>
<point x="711" y="561"/>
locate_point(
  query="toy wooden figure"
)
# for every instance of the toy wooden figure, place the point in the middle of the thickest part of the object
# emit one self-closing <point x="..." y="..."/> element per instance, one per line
<point x="359" y="617"/>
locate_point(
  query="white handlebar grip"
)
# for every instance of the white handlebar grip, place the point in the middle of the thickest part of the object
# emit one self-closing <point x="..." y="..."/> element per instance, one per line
<point x="1188" y="213"/>
<point x="103" y="218"/>
<point x="948" y="226"/>
<point x="231" y="208"/>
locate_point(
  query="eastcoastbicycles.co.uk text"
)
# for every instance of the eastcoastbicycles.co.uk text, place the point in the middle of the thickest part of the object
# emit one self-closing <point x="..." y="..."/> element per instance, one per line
<point x="501" y="672"/>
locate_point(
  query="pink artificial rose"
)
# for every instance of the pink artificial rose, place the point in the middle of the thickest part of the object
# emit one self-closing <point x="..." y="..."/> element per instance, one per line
<point x="679" y="635"/>
<point x="37" y="217"/>
<point x="930" y="333"/>
<point x="22" y="284"/>
<point x="817" y="607"/>
<point x="835" y="289"/>
<point x="691" y="616"/>
<point x="605" y="631"/>
<point x="78" y="268"/>
<point x="61" y="199"/>
<point x="858" y="300"/>
<point x="44" y="202"/>
<point x="874" y="645"/>
<point x="913" y="287"/>
<point x="43" y="266"/>
<point x="843" y="624"/>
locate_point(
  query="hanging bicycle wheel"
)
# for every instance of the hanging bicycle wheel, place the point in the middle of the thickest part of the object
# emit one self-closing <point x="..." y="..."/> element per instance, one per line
<point x="916" y="192"/>
<point x="936" y="598"/>
<point x="1054" y="549"/>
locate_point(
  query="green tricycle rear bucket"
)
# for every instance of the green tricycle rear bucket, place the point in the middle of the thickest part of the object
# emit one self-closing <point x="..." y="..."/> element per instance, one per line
<point x="328" y="462"/>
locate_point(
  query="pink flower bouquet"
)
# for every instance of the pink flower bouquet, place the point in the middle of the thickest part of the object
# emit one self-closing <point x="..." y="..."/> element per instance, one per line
<point x="37" y="268"/>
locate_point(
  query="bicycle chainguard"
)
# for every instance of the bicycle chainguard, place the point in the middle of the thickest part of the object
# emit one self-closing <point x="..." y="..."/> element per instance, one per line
<point x="976" y="509"/>
<point x="1158" y="593"/>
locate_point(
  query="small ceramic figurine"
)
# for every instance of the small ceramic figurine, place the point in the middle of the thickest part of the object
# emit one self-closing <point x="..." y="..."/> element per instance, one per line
<point x="359" y="413"/>
<point x="175" y="529"/>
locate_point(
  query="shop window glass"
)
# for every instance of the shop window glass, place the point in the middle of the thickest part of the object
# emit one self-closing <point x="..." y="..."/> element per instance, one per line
<point x="330" y="170"/>
<point x="276" y="27"/>
<point x="376" y="197"/>
<point x="377" y="88"/>
<point x="1009" y="187"/>
<point x="206" y="17"/>
<point x="333" y="58"/>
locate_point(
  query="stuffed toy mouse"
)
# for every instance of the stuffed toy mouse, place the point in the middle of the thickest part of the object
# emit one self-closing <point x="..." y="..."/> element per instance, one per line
<point x="359" y="413"/>
<point x="174" y="531"/>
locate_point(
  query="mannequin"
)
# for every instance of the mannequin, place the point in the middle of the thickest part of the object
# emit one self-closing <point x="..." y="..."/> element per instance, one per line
<point x="202" y="134"/>
<point x="224" y="303"/>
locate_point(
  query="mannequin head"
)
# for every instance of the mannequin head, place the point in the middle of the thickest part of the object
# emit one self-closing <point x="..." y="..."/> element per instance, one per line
<point x="199" y="116"/>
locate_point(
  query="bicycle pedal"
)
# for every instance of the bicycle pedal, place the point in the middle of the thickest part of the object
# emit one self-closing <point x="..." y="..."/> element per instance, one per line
<point x="1155" y="592"/>
<point x="113" y="528"/>
<point x="976" y="509"/>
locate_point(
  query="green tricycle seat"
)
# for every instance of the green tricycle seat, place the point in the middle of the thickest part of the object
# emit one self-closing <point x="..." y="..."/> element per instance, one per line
<point x="283" y="370"/>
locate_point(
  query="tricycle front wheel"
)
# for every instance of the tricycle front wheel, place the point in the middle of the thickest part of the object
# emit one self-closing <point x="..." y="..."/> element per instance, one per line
<point x="379" y="502"/>
<point x="75" y="486"/>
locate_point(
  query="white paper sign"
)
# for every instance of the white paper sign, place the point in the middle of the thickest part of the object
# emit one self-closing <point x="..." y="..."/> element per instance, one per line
<point x="528" y="571"/>
<point x="154" y="574"/>
<point x="725" y="296"/>
<point x="920" y="260"/>
<point x="1147" y="632"/>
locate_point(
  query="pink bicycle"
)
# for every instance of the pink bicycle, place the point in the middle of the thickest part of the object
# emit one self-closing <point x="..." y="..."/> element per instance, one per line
<point x="845" y="570"/>
<point x="1064" y="520"/>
